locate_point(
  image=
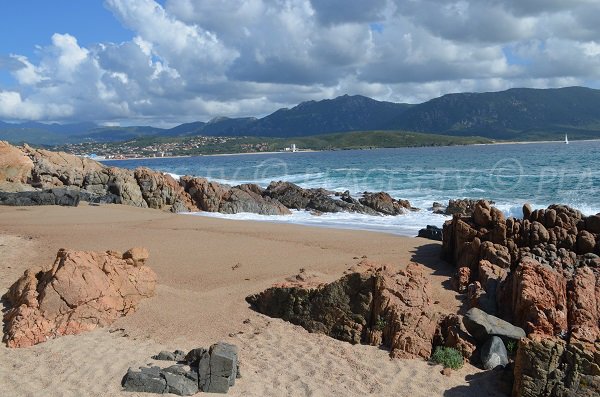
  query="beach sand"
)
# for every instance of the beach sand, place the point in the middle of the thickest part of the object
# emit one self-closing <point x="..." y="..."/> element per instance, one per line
<point x="206" y="267"/>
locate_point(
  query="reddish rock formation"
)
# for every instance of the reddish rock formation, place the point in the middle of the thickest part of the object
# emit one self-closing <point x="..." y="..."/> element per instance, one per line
<point x="584" y="306"/>
<point x="161" y="191"/>
<point x="385" y="204"/>
<point x="452" y="333"/>
<point x="543" y="271"/>
<point x="82" y="290"/>
<point x="206" y="195"/>
<point x="15" y="166"/>
<point x="375" y="306"/>
<point x="462" y="279"/>
<point x="539" y="299"/>
<point x="403" y="302"/>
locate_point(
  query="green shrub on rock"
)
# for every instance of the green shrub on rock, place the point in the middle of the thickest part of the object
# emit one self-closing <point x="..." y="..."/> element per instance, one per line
<point x="448" y="357"/>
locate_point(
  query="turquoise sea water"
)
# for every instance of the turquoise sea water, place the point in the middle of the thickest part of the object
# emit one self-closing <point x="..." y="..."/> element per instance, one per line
<point x="510" y="175"/>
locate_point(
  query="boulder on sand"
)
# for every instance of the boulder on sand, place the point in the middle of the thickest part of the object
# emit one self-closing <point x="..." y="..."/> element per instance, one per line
<point x="79" y="292"/>
<point x="218" y="368"/>
<point x="211" y="371"/>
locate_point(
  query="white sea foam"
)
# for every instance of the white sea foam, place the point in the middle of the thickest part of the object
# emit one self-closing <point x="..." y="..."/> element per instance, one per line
<point x="174" y="176"/>
<point x="406" y="225"/>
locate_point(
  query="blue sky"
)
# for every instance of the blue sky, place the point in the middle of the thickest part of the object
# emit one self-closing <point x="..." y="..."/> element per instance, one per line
<point x="23" y="30"/>
<point x="172" y="61"/>
<point x="88" y="20"/>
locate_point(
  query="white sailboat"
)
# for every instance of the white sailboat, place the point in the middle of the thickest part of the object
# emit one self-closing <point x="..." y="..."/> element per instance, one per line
<point x="566" y="140"/>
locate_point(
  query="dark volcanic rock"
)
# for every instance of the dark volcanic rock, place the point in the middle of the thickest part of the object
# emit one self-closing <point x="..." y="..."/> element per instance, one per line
<point x="213" y="371"/>
<point x="177" y="355"/>
<point x="192" y="358"/>
<point x="147" y="380"/>
<point x="218" y="368"/>
<point x="248" y="198"/>
<point x="57" y="196"/>
<point x="180" y="380"/>
<point x="493" y="353"/>
<point x="294" y="197"/>
<point x="340" y="309"/>
<point x="175" y="379"/>
<point x="482" y="325"/>
<point x="431" y="233"/>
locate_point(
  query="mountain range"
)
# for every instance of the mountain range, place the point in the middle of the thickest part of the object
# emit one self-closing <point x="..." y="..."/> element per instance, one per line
<point x="514" y="114"/>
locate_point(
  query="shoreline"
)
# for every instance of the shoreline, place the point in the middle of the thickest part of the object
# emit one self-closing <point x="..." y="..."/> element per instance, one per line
<point x="341" y="149"/>
<point x="206" y="155"/>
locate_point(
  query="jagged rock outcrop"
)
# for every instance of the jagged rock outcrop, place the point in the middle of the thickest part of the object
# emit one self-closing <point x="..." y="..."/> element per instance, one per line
<point x="215" y="197"/>
<point x="79" y="292"/>
<point x="539" y="299"/>
<point x="551" y="367"/>
<point x="373" y="305"/>
<point x="462" y="207"/>
<point x="57" y="169"/>
<point x="385" y="204"/>
<point x="161" y="191"/>
<point x="320" y="200"/>
<point x="536" y="266"/>
<point x="584" y="305"/>
<point x="544" y="272"/>
<point x="250" y="198"/>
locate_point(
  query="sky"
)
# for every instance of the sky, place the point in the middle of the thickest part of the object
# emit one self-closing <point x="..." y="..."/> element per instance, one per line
<point x="167" y="62"/>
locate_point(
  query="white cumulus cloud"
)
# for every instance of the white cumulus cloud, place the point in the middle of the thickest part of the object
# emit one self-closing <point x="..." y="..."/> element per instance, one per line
<point x="194" y="60"/>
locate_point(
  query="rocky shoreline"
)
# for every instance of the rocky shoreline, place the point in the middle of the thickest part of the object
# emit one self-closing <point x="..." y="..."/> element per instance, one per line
<point x="534" y="280"/>
<point x="31" y="176"/>
<point x="541" y="273"/>
<point x="529" y="285"/>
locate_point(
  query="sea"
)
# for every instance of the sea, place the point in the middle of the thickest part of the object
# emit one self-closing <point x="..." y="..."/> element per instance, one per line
<point x="508" y="174"/>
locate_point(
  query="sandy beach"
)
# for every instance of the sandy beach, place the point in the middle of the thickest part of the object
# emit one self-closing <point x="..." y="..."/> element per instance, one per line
<point x="206" y="267"/>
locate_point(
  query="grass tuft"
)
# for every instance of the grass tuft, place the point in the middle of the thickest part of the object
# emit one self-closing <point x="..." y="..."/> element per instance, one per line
<point x="448" y="357"/>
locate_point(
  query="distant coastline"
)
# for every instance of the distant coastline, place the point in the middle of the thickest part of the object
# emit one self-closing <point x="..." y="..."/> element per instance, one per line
<point x="341" y="148"/>
<point x="206" y="155"/>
